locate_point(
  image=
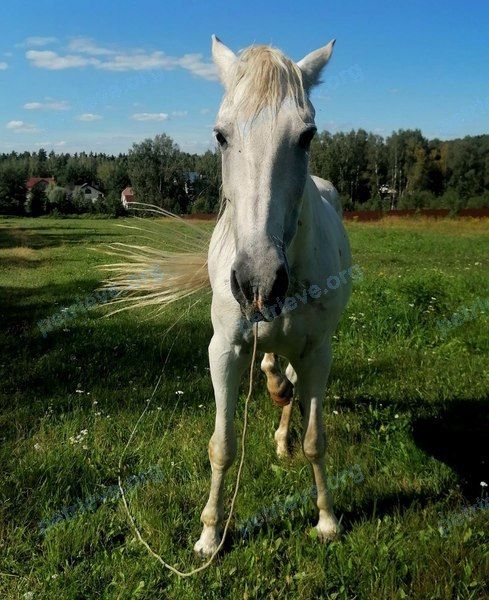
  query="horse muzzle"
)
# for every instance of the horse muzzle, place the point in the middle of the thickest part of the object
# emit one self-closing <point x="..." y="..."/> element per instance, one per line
<point x="259" y="286"/>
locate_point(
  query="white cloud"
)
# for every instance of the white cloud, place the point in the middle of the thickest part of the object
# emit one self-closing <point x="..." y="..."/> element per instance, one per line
<point x="38" y="41"/>
<point x="205" y="111"/>
<point x="196" y="65"/>
<point x="47" y="144"/>
<point x="21" y="127"/>
<point x="179" y="113"/>
<point x="3" y="66"/>
<point x="88" y="117"/>
<point x="88" y="46"/>
<point x="50" y="105"/>
<point x="87" y="52"/>
<point x="141" y="61"/>
<point x="196" y="145"/>
<point x="47" y="59"/>
<point x="150" y="117"/>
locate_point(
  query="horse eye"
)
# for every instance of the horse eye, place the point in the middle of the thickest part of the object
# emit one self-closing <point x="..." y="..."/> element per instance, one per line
<point x="306" y="138"/>
<point x="221" y="140"/>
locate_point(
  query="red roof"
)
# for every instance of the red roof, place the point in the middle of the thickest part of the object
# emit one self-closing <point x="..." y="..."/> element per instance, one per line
<point x="128" y="194"/>
<point x="30" y="183"/>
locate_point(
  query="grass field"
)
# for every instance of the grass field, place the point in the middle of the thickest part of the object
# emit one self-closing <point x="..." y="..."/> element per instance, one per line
<point x="407" y="408"/>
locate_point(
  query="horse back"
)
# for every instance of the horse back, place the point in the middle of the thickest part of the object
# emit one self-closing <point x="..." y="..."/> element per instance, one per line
<point x="329" y="193"/>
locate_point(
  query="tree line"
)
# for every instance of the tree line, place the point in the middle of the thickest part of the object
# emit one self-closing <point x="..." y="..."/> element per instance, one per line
<point x="406" y="167"/>
<point x="157" y="170"/>
<point x="404" y="170"/>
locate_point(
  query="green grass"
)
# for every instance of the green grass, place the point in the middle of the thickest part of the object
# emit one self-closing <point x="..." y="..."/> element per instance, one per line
<point x="405" y="405"/>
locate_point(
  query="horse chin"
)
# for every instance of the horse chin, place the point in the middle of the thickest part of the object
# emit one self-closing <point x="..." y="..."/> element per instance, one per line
<point x="254" y="315"/>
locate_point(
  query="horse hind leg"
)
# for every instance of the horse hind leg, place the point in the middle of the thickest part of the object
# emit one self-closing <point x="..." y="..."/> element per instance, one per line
<point x="279" y="387"/>
<point x="281" y="391"/>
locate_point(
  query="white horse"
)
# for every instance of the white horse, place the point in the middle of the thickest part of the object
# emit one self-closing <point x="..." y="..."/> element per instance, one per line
<point x="278" y="241"/>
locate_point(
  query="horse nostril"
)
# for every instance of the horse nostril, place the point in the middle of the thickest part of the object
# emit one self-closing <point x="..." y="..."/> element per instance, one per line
<point x="235" y="288"/>
<point x="281" y="283"/>
<point x="241" y="289"/>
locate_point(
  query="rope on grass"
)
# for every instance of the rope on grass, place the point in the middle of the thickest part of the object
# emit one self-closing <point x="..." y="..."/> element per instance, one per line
<point x="238" y="476"/>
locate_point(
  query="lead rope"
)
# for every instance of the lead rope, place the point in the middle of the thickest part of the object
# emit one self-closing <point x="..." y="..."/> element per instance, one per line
<point x="238" y="476"/>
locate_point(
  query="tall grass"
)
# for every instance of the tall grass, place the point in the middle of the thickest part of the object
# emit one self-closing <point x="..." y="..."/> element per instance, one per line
<point x="405" y="404"/>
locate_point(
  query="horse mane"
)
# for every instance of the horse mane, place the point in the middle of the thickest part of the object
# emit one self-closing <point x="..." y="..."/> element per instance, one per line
<point x="263" y="78"/>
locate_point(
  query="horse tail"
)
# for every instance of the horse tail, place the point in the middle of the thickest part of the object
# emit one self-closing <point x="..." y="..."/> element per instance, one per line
<point x="173" y="266"/>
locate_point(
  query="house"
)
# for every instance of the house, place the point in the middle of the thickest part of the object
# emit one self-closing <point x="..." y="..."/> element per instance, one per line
<point x="42" y="181"/>
<point x="190" y="178"/>
<point x="90" y="193"/>
<point x="38" y="183"/>
<point x="127" y="196"/>
<point x="389" y="194"/>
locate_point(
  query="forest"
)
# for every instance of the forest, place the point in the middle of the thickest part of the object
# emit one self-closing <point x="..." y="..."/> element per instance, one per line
<point x="404" y="170"/>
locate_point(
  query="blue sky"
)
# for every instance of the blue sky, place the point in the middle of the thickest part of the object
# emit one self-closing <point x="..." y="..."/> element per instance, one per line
<point x="85" y="75"/>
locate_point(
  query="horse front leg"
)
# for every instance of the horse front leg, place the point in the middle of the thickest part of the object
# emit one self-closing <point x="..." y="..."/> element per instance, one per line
<point x="312" y="374"/>
<point x="227" y="365"/>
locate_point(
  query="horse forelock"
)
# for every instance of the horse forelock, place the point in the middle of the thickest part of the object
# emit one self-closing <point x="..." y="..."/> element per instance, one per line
<point x="264" y="77"/>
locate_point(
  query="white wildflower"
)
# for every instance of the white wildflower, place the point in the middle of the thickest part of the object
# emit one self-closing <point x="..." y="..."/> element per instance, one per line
<point x="78" y="439"/>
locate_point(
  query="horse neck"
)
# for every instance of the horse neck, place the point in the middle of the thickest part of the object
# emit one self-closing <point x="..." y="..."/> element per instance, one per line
<point x="301" y="247"/>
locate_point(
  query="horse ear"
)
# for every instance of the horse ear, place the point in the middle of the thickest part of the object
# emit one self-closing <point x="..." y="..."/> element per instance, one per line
<point x="224" y="59"/>
<point x="312" y="64"/>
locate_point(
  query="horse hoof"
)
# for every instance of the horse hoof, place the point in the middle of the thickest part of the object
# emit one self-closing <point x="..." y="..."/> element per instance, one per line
<point x="283" y="451"/>
<point x="207" y="544"/>
<point x="328" y="532"/>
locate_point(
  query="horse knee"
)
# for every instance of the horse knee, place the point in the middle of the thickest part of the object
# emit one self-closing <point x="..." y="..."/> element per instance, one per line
<point x="314" y="445"/>
<point x="222" y="451"/>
